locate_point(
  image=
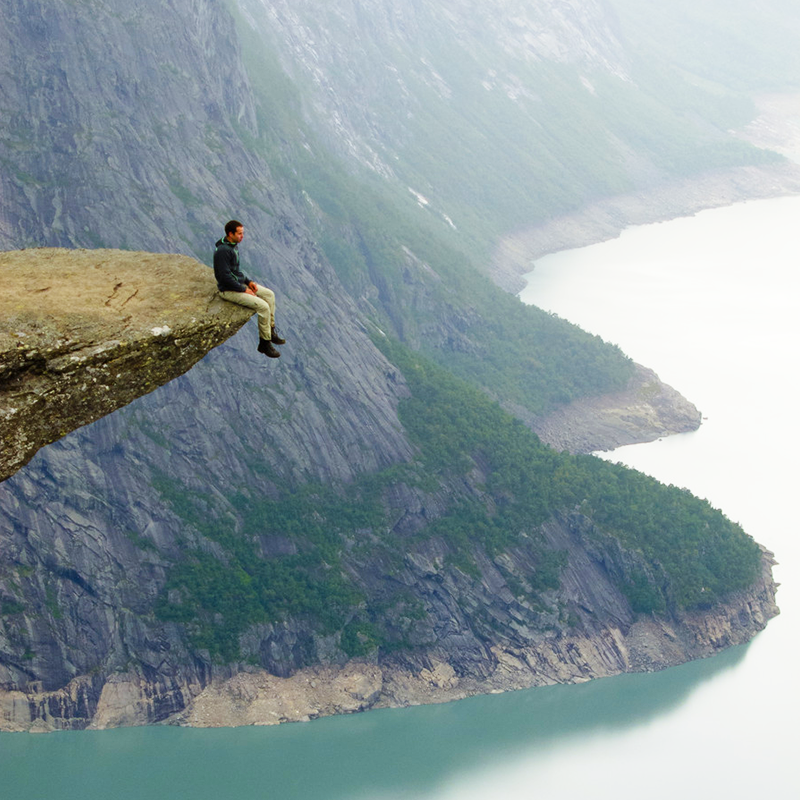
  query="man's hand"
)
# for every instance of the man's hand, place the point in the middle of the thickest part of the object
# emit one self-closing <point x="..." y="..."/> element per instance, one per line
<point x="248" y="290"/>
<point x="254" y="286"/>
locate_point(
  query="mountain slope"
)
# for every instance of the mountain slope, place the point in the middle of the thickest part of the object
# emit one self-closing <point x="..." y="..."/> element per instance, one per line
<point x="361" y="498"/>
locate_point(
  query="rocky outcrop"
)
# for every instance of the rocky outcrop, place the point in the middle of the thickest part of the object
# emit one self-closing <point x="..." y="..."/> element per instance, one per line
<point x="644" y="411"/>
<point x="87" y="331"/>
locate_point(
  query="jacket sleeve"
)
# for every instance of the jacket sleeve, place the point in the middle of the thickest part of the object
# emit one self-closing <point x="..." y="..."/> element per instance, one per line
<point x="225" y="272"/>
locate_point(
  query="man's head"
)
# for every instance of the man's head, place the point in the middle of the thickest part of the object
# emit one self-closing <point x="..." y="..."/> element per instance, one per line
<point x="234" y="231"/>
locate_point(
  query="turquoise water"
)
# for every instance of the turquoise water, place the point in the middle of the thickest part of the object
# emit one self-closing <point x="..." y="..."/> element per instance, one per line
<point x="712" y="303"/>
<point x="397" y="753"/>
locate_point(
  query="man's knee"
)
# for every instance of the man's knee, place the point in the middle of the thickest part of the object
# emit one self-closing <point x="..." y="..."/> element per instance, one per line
<point x="261" y="305"/>
<point x="266" y="294"/>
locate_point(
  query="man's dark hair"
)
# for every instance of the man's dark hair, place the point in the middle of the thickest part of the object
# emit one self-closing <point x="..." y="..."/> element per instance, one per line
<point x="230" y="227"/>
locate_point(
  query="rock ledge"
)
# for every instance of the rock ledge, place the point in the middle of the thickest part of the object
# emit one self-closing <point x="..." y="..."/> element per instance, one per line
<point x="87" y="331"/>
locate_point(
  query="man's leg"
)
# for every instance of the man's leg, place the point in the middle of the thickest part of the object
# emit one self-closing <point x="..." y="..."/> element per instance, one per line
<point x="269" y="297"/>
<point x="262" y="308"/>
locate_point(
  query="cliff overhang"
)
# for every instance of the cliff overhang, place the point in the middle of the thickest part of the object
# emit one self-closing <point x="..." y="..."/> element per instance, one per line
<point x="85" y="332"/>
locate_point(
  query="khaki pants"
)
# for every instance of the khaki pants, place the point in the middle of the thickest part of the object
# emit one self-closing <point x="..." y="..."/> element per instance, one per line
<point x="263" y="303"/>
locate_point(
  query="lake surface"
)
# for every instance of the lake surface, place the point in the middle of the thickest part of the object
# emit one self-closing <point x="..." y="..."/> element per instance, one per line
<point x="711" y="303"/>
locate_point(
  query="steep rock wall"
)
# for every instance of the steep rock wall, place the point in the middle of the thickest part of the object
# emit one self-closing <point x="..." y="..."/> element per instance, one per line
<point x="505" y="647"/>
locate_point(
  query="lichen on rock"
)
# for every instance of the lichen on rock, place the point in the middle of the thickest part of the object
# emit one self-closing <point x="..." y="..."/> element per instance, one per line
<point x="88" y="331"/>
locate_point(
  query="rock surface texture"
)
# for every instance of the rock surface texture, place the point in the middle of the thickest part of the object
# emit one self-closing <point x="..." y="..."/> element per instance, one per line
<point x="87" y="331"/>
<point x="457" y="661"/>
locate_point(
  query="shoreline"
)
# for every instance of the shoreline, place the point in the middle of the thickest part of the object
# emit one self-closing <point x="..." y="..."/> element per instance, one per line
<point x="646" y="410"/>
<point x="254" y="697"/>
<point x="606" y="219"/>
<point x="648" y="645"/>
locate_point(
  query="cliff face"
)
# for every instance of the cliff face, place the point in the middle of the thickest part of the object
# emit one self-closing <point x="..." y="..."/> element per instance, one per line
<point x="131" y="131"/>
<point x="369" y="97"/>
<point x="476" y="638"/>
<point x="128" y="131"/>
<point x="139" y="126"/>
<point x="117" y="121"/>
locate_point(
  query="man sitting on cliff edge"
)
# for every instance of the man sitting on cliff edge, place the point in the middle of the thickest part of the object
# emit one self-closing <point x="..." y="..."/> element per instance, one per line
<point x="234" y="286"/>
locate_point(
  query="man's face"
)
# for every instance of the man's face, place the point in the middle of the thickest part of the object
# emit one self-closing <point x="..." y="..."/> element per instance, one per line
<point x="237" y="235"/>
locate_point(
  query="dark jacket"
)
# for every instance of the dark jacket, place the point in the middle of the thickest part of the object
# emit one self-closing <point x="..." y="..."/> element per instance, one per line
<point x="226" y="268"/>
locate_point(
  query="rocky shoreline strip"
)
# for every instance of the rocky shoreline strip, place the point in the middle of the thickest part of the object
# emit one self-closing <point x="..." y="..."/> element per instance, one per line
<point x="644" y="411"/>
<point x="256" y="697"/>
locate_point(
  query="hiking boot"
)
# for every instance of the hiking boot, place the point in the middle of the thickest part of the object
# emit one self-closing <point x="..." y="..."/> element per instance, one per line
<point x="265" y="347"/>
<point x="276" y="337"/>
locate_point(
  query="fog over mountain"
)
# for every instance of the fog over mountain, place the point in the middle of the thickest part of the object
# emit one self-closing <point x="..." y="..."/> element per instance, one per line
<point x="375" y="497"/>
